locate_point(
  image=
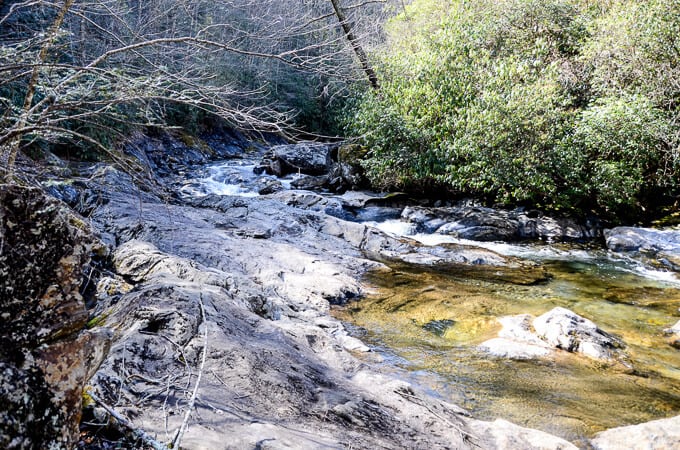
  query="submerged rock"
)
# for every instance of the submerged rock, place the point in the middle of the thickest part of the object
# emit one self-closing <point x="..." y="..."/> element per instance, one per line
<point x="663" y="434"/>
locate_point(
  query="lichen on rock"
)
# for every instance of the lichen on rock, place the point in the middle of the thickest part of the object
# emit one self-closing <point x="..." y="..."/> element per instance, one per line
<point x="45" y="355"/>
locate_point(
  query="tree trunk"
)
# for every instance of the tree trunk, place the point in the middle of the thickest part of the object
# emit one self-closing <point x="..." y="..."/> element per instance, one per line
<point x="356" y="46"/>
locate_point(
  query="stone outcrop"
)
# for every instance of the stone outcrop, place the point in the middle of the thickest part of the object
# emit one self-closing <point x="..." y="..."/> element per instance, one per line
<point x="324" y="167"/>
<point x="662" y="247"/>
<point x="525" y="337"/>
<point x="663" y="434"/>
<point x="489" y="224"/>
<point x="46" y="355"/>
<point x="304" y="158"/>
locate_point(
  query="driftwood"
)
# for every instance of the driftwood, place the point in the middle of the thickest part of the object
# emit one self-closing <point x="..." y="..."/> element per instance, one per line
<point x="125" y="423"/>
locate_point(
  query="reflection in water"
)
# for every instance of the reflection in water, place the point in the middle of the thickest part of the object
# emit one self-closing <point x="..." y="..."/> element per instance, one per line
<point x="431" y="323"/>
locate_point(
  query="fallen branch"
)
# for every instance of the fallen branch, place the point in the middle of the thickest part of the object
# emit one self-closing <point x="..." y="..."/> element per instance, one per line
<point x="467" y="436"/>
<point x="185" y="423"/>
<point x="124" y="423"/>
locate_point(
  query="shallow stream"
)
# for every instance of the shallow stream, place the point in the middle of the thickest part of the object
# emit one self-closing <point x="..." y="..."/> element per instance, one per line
<point x="426" y="327"/>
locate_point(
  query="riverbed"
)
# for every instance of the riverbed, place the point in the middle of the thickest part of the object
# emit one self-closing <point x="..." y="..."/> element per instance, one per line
<point x="426" y="326"/>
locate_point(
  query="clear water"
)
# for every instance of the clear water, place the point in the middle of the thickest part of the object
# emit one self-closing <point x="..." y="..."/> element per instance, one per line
<point x="427" y="326"/>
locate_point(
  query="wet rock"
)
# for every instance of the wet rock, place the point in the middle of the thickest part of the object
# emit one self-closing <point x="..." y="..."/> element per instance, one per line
<point x="45" y="355"/>
<point x="457" y="259"/>
<point x="488" y="224"/>
<point x="631" y="239"/>
<point x="516" y="340"/>
<point x="662" y="247"/>
<point x="305" y="158"/>
<point x="566" y="330"/>
<point x="269" y="187"/>
<point x="310" y="183"/>
<point x="674" y="335"/>
<point x="661" y="434"/>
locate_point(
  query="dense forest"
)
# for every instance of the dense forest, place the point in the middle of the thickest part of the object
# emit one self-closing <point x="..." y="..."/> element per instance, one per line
<point x="559" y="104"/>
<point x="564" y="104"/>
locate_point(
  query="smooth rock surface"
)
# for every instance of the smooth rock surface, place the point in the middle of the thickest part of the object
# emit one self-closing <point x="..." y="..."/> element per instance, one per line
<point x="489" y="224"/>
<point x="566" y="330"/>
<point x="248" y="282"/>
<point x="663" y="434"/>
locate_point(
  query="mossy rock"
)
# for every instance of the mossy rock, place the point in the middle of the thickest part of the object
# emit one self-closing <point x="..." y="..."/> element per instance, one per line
<point x="352" y="154"/>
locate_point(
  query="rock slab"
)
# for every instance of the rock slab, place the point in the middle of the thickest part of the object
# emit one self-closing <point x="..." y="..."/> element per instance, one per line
<point x="46" y="356"/>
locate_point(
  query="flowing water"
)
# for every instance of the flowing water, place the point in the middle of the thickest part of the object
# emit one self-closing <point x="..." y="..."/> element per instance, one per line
<point x="426" y="327"/>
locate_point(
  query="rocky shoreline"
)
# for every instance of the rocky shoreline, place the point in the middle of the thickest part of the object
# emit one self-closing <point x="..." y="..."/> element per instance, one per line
<point x="219" y="312"/>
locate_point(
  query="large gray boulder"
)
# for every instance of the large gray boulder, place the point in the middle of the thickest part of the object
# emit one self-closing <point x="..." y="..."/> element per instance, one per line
<point x="305" y="158"/>
<point x="661" y="248"/>
<point x="489" y="224"/>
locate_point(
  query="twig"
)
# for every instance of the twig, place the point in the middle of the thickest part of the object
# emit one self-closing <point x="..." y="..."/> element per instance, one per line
<point x="418" y="401"/>
<point x="192" y="401"/>
<point x="136" y="432"/>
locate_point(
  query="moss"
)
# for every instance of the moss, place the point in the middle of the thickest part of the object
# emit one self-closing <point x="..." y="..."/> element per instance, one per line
<point x="97" y="321"/>
<point x="195" y="142"/>
<point x="352" y="154"/>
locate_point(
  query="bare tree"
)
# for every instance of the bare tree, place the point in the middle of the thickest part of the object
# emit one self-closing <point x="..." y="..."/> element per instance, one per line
<point x="356" y="45"/>
<point x="73" y="70"/>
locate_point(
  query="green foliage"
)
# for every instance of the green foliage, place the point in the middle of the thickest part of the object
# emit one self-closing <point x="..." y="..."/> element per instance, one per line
<point x="564" y="104"/>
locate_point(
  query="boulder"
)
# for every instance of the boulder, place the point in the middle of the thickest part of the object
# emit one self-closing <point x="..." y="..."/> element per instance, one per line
<point x="662" y="246"/>
<point x="566" y="330"/>
<point x="648" y="240"/>
<point x="46" y="354"/>
<point x="663" y="434"/>
<point x="523" y="337"/>
<point x="489" y="224"/>
<point x="516" y="340"/>
<point x="310" y="183"/>
<point x="305" y="158"/>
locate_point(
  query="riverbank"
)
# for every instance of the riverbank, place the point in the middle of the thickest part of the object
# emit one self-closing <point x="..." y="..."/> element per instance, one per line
<point x="219" y="305"/>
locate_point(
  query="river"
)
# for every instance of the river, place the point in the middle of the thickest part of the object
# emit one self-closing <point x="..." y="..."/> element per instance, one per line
<point x="426" y="326"/>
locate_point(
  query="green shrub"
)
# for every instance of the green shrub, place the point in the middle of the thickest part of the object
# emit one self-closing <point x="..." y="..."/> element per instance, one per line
<point x="529" y="102"/>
